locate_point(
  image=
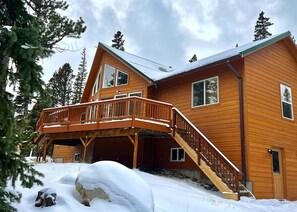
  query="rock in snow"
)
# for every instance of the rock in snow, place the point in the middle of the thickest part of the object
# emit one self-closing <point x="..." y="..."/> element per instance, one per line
<point x="116" y="183"/>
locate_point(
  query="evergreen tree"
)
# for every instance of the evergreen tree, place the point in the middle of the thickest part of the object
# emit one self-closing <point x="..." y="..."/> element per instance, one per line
<point x="118" y="41"/>
<point x="24" y="39"/>
<point x="261" y="27"/>
<point x="61" y="85"/>
<point x="193" y="59"/>
<point x="79" y="82"/>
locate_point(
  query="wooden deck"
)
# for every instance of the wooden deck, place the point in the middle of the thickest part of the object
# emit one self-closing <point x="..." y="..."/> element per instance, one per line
<point x="133" y="112"/>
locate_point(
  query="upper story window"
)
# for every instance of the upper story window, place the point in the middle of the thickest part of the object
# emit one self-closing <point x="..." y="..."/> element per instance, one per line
<point x="109" y="75"/>
<point x="96" y="86"/>
<point x="205" y="92"/>
<point x="286" y="97"/>
<point x="113" y="77"/>
<point x="122" y="78"/>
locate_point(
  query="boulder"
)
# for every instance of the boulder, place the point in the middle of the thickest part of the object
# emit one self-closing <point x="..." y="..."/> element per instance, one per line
<point x="115" y="183"/>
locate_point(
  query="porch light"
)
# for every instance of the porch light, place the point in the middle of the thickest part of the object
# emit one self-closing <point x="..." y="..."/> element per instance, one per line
<point x="269" y="151"/>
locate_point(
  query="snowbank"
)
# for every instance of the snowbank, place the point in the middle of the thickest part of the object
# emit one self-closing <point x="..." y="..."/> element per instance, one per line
<point x="122" y="185"/>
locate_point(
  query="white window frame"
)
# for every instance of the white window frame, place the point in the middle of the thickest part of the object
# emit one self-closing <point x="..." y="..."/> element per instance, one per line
<point x="117" y="78"/>
<point x="177" y="156"/>
<point x="204" y="80"/>
<point x="290" y="103"/>
<point x="118" y="96"/>
<point x="77" y="154"/>
<point x="138" y="92"/>
<point x="96" y="86"/>
<point x="114" y="77"/>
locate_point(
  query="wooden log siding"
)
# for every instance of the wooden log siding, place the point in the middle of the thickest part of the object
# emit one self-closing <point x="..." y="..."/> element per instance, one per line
<point x="205" y="150"/>
<point x="265" y="126"/>
<point x="115" y="113"/>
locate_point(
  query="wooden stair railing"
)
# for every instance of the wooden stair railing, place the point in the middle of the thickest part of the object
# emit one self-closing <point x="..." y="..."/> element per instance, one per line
<point x="206" y="151"/>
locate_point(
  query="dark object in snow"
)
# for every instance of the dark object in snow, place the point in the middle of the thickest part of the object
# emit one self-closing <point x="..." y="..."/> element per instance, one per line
<point x="46" y="197"/>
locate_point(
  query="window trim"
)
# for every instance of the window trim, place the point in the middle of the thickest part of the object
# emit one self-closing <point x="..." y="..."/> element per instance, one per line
<point x="117" y="71"/>
<point x="177" y="160"/>
<point x="137" y="92"/>
<point x="96" y="86"/>
<point x="122" y="94"/>
<point x="291" y="103"/>
<point x="192" y="93"/>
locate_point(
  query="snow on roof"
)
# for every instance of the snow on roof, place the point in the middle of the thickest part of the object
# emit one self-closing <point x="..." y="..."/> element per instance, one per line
<point x="240" y="51"/>
<point x="150" y="69"/>
<point x="156" y="71"/>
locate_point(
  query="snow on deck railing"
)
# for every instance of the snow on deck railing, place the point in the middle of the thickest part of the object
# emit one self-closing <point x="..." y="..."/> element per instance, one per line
<point x="107" y="110"/>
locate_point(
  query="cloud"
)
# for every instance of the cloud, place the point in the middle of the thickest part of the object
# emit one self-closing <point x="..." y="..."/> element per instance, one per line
<point x="170" y="31"/>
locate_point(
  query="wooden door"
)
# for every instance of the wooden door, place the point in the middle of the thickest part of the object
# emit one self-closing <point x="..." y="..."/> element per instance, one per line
<point x="278" y="174"/>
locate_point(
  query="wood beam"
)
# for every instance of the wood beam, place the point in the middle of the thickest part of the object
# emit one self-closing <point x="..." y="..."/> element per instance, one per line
<point x="135" y="151"/>
<point x="46" y="144"/>
<point x="86" y="143"/>
<point x="131" y="139"/>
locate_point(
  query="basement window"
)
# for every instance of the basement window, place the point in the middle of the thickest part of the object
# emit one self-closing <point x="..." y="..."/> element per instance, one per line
<point x="205" y="92"/>
<point x="77" y="157"/>
<point x="286" y="98"/>
<point x="177" y="155"/>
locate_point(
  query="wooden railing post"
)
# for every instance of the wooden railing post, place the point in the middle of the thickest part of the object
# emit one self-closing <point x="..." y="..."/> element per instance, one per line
<point x="173" y="122"/>
<point x="134" y="111"/>
<point x="199" y="150"/>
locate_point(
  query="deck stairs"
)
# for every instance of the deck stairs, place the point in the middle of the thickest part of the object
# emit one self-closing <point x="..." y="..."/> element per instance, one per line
<point x="224" y="175"/>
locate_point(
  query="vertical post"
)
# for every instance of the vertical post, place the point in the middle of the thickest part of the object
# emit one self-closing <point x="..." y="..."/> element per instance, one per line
<point x="134" y="111"/>
<point x="44" y="150"/>
<point x="135" y="151"/>
<point x="85" y="152"/>
<point x="174" y="122"/>
<point x="68" y="118"/>
<point x="199" y="150"/>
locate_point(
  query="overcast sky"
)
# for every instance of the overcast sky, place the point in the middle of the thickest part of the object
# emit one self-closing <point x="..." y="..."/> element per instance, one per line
<point x="169" y="31"/>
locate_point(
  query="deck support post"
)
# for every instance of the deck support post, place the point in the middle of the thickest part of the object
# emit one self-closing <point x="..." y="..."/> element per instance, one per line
<point x="86" y="143"/>
<point x="135" y="151"/>
<point x="45" y="146"/>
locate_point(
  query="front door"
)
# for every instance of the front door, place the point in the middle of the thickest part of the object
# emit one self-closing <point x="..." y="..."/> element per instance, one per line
<point x="278" y="174"/>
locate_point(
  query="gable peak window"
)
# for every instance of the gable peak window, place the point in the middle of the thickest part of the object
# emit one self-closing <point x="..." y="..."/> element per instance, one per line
<point x="286" y="98"/>
<point x="109" y="75"/>
<point x="205" y="92"/>
<point x="122" y="78"/>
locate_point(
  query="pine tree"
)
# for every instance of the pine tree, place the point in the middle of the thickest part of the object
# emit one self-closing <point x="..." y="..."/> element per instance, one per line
<point x="261" y="27"/>
<point x="193" y="59"/>
<point x="24" y="39"/>
<point x="118" y="41"/>
<point x="61" y="85"/>
<point x="79" y="82"/>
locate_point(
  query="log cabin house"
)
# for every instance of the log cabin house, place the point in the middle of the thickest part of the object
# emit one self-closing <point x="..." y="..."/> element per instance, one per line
<point x="228" y="117"/>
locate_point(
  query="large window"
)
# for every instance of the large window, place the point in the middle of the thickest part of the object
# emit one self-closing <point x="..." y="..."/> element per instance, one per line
<point x="113" y="77"/>
<point x="177" y="155"/>
<point x="109" y="75"/>
<point x="205" y="92"/>
<point x="122" y="78"/>
<point x="96" y="86"/>
<point x="286" y="97"/>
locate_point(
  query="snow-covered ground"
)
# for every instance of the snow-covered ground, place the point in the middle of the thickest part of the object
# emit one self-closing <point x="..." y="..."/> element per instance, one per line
<point x="170" y="194"/>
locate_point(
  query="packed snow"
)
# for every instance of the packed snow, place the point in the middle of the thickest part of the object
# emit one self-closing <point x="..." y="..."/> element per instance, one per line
<point x="170" y="194"/>
<point x="121" y="184"/>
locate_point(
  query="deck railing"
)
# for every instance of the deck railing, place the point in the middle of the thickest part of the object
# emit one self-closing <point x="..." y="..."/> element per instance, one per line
<point x="206" y="151"/>
<point x="131" y="108"/>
